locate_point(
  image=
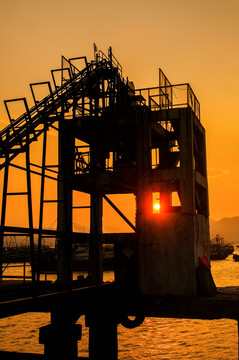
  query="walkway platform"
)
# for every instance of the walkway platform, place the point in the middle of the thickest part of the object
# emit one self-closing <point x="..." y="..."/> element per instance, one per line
<point x="20" y="299"/>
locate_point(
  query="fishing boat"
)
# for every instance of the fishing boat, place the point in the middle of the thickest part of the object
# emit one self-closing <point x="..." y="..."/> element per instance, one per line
<point x="219" y="250"/>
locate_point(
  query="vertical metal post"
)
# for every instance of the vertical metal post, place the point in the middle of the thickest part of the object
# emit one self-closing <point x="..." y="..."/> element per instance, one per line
<point x="83" y="106"/>
<point x="103" y="93"/>
<point x="3" y="215"/>
<point x="95" y="253"/>
<point x="110" y="53"/>
<point x="29" y="199"/>
<point x="74" y="105"/>
<point x="91" y="106"/>
<point x="24" y="272"/>
<point x="171" y="97"/>
<point x="95" y="250"/>
<point x="64" y="215"/>
<point x="111" y="83"/>
<point x="41" y="201"/>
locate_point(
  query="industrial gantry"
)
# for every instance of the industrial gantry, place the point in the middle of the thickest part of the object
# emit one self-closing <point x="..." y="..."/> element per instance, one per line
<point x="114" y="139"/>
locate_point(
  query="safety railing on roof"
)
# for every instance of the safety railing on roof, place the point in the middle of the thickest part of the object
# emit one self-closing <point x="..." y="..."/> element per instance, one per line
<point x="168" y="97"/>
<point x="100" y="56"/>
<point x="114" y="61"/>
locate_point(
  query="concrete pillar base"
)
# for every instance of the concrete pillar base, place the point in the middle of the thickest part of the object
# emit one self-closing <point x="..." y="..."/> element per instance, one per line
<point x="60" y="342"/>
<point x="103" y="340"/>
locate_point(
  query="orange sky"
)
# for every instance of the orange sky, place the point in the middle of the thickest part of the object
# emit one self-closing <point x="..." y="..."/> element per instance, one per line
<point x="192" y="41"/>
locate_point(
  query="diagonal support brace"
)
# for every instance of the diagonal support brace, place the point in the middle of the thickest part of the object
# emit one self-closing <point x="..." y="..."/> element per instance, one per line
<point x="119" y="212"/>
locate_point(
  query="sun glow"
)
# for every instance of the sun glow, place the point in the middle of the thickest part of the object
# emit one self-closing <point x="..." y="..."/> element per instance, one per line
<point x="156" y="202"/>
<point x="156" y="206"/>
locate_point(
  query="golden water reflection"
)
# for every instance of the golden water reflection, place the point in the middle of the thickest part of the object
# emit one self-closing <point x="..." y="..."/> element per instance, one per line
<point x="154" y="339"/>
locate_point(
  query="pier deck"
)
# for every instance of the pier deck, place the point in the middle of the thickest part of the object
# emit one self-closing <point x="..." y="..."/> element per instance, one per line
<point x="21" y="299"/>
<point x="112" y="141"/>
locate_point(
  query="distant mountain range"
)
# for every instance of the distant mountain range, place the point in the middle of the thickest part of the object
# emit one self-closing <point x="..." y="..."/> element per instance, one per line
<point x="228" y="228"/>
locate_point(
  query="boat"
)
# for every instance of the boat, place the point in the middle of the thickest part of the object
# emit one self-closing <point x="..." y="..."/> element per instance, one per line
<point x="218" y="249"/>
<point x="236" y="257"/>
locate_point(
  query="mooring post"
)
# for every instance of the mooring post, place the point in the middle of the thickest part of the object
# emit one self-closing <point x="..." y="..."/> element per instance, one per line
<point x="60" y="337"/>
<point x="103" y="339"/>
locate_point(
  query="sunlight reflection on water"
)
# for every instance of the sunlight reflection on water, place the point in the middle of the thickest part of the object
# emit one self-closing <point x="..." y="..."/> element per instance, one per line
<point x="154" y="339"/>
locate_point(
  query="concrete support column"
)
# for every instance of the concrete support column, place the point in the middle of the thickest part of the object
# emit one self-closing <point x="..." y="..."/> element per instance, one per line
<point x="95" y="255"/>
<point x="60" y="338"/>
<point x="60" y="343"/>
<point x="103" y="340"/>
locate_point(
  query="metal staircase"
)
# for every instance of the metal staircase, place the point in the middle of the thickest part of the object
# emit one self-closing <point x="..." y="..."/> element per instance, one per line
<point x="86" y="93"/>
<point x="21" y="132"/>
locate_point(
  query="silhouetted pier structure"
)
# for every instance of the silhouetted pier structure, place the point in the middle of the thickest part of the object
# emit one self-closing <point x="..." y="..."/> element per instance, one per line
<point x="112" y="139"/>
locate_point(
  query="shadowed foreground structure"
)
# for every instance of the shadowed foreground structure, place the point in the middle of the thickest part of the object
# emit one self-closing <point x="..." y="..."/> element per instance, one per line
<point x="112" y="140"/>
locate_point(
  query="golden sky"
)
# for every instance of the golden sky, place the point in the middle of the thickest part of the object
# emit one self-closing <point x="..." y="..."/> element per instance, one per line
<point x="192" y="41"/>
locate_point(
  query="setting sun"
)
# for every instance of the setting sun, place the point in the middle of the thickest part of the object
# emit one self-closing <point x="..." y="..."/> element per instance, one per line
<point x="156" y="208"/>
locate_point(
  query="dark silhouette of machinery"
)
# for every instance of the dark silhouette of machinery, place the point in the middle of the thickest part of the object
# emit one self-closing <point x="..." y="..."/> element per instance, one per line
<point x="113" y="139"/>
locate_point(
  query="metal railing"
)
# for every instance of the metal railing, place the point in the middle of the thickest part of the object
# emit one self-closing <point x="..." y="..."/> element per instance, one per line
<point x="82" y="160"/>
<point x="100" y="56"/>
<point x="22" y="266"/>
<point x="168" y="97"/>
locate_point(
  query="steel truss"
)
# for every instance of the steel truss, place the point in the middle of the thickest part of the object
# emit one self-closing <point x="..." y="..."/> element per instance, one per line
<point x="88" y="93"/>
<point x="112" y="139"/>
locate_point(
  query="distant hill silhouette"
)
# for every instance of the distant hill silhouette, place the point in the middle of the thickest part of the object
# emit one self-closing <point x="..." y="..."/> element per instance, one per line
<point x="227" y="228"/>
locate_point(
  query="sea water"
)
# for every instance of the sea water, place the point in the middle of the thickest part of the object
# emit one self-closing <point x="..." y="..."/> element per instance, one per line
<point x="161" y="338"/>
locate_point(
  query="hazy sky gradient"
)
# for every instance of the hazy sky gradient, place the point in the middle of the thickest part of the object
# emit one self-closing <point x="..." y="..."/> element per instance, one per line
<point x="192" y="41"/>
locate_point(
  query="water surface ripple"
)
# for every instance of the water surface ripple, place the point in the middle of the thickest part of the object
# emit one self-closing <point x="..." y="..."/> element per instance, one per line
<point x="155" y="339"/>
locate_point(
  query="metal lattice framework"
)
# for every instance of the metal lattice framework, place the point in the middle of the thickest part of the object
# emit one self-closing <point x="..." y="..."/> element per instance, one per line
<point x="112" y="139"/>
<point x="89" y="93"/>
